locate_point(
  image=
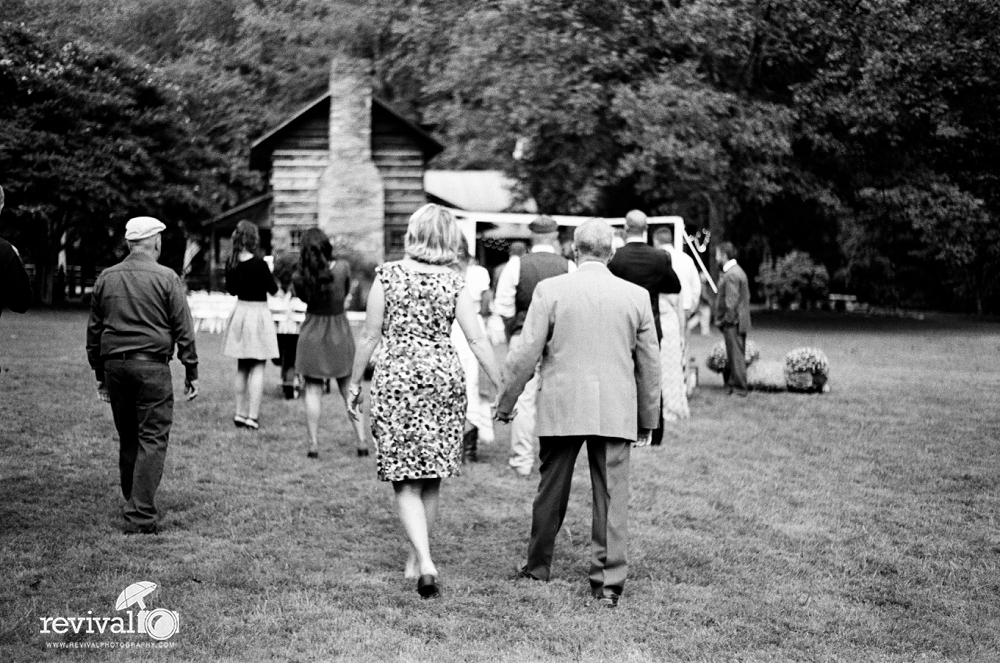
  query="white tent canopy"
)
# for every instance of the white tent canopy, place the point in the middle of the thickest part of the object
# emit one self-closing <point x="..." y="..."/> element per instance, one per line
<point x="467" y="222"/>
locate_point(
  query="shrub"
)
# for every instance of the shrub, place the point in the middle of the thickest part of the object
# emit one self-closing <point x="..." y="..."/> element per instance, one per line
<point x="794" y="279"/>
<point x="717" y="357"/>
<point x="807" y="369"/>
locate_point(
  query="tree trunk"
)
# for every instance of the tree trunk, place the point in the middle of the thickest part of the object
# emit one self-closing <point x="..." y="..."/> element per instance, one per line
<point x="48" y="262"/>
<point x="716" y="227"/>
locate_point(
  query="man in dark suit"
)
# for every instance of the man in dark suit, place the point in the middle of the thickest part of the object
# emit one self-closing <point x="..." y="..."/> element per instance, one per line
<point x="594" y="337"/>
<point x="732" y="317"/>
<point x="639" y="263"/>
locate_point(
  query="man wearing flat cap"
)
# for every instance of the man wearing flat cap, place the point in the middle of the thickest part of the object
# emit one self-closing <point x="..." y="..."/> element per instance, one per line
<point x="514" y="291"/>
<point x="138" y="313"/>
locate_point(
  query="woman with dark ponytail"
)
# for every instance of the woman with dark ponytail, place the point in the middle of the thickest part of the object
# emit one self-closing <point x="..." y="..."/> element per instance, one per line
<point x="250" y="335"/>
<point x="326" y="345"/>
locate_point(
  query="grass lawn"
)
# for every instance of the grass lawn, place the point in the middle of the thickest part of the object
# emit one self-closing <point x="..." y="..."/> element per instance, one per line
<point x="859" y="525"/>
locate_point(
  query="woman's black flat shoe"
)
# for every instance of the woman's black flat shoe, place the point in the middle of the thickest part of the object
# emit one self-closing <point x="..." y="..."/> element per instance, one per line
<point x="362" y="453"/>
<point x="312" y="454"/>
<point x="427" y="587"/>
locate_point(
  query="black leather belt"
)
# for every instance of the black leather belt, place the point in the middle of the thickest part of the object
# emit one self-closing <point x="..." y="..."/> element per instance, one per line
<point x="137" y="356"/>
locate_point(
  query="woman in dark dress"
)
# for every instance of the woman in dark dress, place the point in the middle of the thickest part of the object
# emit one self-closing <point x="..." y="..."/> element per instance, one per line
<point x="418" y="389"/>
<point x="325" y="349"/>
<point x="250" y="335"/>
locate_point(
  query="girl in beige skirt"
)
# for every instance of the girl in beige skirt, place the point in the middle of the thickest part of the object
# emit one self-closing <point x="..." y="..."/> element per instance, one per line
<point x="250" y="334"/>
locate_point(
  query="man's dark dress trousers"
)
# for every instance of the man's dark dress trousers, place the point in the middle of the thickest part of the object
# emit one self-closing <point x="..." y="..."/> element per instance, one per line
<point x="138" y="313"/>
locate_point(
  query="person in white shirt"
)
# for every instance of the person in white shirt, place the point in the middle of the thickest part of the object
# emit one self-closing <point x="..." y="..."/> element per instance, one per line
<point x="688" y="274"/>
<point x="478" y="417"/>
<point x="514" y="290"/>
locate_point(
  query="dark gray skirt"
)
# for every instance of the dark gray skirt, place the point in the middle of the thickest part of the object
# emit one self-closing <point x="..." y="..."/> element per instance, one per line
<point x="326" y="347"/>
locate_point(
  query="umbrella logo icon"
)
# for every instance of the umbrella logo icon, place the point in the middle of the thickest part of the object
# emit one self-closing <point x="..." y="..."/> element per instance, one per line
<point x="134" y="594"/>
<point x="159" y="624"/>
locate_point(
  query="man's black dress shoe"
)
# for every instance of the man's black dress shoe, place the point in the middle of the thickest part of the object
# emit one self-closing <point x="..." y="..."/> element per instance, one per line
<point x="522" y="572"/>
<point x="152" y="529"/>
<point x="427" y="587"/>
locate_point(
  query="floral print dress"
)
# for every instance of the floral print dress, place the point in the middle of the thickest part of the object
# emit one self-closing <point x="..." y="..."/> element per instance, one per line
<point x="418" y="397"/>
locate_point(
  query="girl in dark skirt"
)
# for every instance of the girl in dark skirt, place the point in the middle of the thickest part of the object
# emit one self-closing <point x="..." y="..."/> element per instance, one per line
<point x="250" y="336"/>
<point x="326" y="345"/>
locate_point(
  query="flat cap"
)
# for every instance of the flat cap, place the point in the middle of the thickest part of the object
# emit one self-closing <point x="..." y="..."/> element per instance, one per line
<point x="543" y="225"/>
<point x="142" y="227"/>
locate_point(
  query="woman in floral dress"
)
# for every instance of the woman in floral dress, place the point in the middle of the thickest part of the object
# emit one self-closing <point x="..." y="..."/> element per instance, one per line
<point x="418" y="389"/>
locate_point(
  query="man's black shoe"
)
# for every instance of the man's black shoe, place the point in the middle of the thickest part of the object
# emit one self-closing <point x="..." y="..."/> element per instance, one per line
<point x="522" y="572"/>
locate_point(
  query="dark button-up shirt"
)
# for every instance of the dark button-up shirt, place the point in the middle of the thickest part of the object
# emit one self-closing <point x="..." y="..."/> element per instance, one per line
<point x="140" y="306"/>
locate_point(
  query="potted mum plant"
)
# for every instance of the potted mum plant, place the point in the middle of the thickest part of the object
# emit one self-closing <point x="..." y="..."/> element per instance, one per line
<point x="716" y="361"/>
<point x="807" y="370"/>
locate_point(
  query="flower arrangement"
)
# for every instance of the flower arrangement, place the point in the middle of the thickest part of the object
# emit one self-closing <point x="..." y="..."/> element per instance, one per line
<point x="717" y="357"/>
<point x="807" y="369"/>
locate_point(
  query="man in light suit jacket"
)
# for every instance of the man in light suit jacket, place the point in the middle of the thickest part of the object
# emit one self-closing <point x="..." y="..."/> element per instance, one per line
<point x="599" y="383"/>
<point x="732" y="316"/>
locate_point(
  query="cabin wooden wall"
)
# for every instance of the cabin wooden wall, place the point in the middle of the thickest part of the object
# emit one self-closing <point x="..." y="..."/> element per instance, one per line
<point x="400" y="161"/>
<point x="302" y="152"/>
<point x="295" y="176"/>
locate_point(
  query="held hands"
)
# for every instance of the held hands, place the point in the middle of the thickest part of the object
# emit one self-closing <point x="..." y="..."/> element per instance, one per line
<point x="502" y="417"/>
<point x="102" y="393"/>
<point x="645" y="438"/>
<point x="354" y="400"/>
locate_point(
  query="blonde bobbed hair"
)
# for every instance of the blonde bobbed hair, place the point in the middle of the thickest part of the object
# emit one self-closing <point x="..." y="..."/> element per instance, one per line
<point x="433" y="236"/>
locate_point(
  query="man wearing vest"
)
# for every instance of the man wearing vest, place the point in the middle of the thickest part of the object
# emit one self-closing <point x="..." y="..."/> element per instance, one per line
<point x="514" y="290"/>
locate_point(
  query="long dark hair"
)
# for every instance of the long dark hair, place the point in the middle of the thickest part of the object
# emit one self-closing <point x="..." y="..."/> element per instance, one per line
<point x="245" y="238"/>
<point x="314" y="263"/>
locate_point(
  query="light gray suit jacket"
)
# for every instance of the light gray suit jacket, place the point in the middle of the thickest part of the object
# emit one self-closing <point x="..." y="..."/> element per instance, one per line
<point x="600" y="362"/>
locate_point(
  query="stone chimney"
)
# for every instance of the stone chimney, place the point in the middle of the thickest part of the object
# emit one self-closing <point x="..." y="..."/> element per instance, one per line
<point x="351" y="191"/>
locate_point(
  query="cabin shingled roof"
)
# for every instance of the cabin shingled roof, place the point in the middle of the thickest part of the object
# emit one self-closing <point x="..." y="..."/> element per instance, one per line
<point x="260" y="151"/>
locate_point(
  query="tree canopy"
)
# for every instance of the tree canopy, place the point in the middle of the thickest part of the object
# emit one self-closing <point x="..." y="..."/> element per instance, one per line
<point x="861" y="131"/>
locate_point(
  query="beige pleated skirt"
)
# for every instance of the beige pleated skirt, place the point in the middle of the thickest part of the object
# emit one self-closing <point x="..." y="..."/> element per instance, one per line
<point x="250" y="332"/>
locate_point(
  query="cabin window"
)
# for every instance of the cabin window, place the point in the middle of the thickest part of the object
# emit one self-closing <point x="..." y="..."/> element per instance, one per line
<point x="295" y="238"/>
<point x="397" y="239"/>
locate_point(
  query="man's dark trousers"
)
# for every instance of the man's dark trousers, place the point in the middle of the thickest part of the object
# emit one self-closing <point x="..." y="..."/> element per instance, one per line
<point x="609" y="470"/>
<point x="735" y="372"/>
<point x="142" y="402"/>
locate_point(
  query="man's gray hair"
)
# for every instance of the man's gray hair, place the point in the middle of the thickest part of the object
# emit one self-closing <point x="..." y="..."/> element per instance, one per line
<point x="144" y="244"/>
<point x="635" y="223"/>
<point x="593" y="238"/>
